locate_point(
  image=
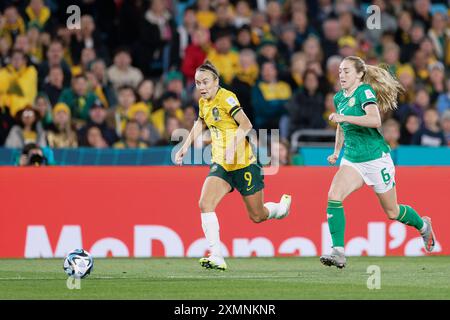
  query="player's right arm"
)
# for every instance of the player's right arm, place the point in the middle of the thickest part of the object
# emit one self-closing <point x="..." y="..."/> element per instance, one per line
<point x="339" y="142"/>
<point x="196" y="131"/>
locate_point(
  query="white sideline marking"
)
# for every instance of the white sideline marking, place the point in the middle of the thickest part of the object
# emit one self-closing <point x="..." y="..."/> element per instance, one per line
<point x="231" y="277"/>
<point x="166" y="277"/>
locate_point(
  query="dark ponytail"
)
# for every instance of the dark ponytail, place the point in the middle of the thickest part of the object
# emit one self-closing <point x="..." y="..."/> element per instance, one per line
<point x="208" y="66"/>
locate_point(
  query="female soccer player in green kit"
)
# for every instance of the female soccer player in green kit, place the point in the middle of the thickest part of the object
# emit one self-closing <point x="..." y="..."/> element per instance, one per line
<point x="366" y="90"/>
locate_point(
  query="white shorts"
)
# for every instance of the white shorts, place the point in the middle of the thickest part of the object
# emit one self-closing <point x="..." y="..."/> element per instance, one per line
<point x="378" y="173"/>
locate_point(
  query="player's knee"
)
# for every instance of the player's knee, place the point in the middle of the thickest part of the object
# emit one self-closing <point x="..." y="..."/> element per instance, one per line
<point x="205" y="206"/>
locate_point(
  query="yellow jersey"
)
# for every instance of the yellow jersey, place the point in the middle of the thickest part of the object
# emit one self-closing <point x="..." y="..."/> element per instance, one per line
<point x="218" y="114"/>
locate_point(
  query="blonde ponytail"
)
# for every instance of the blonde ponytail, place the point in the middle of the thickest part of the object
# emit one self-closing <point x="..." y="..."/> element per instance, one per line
<point x="386" y="87"/>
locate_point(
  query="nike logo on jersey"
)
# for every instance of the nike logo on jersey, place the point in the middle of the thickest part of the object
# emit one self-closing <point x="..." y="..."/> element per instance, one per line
<point x="248" y="189"/>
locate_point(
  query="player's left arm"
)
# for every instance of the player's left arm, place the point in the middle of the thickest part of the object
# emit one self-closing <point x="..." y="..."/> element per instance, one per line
<point x="244" y="128"/>
<point x="371" y="119"/>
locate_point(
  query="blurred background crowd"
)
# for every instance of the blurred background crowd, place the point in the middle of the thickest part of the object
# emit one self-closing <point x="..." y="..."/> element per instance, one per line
<point x="125" y="78"/>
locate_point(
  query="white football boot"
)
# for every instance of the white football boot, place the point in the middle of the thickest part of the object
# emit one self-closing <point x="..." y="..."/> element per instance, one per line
<point x="213" y="262"/>
<point x="285" y="206"/>
<point x="428" y="236"/>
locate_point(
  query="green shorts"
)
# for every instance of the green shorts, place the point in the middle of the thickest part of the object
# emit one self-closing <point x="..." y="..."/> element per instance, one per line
<point x="247" y="181"/>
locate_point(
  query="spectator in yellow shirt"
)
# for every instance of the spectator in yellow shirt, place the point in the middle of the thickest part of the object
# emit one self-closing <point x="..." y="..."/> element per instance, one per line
<point x="205" y="15"/>
<point x="36" y="12"/>
<point x="141" y="114"/>
<point x="131" y="137"/>
<point x="18" y="83"/>
<point x="117" y="116"/>
<point x="226" y="60"/>
<point x="269" y="97"/>
<point x="171" y="107"/>
<point x="61" y="133"/>
<point x="12" y="24"/>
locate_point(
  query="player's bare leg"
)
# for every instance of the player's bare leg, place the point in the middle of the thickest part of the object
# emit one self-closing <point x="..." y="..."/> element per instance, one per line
<point x="213" y="191"/>
<point x="407" y="215"/>
<point x="258" y="211"/>
<point x="346" y="181"/>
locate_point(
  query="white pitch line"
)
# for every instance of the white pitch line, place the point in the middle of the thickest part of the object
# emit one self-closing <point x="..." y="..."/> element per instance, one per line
<point x="23" y="278"/>
<point x="218" y="276"/>
<point x="231" y="277"/>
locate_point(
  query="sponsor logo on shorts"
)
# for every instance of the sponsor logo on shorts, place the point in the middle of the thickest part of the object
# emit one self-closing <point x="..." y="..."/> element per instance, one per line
<point x="250" y="188"/>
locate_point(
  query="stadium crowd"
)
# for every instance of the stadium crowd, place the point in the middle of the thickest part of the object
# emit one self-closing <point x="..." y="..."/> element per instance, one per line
<point x="125" y="78"/>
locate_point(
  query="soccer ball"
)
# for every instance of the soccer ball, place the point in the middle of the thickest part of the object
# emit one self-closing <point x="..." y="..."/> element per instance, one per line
<point x="78" y="263"/>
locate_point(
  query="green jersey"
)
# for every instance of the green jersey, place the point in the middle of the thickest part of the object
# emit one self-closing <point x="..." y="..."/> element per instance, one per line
<point x="361" y="144"/>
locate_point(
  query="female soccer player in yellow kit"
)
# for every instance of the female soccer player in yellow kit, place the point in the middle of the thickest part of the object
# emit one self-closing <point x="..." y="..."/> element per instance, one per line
<point x="233" y="163"/>
<point x="366" y="90"/>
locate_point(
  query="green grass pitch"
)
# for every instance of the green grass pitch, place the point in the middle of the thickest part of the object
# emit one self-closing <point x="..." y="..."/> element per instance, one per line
<point x="290" y="278"/>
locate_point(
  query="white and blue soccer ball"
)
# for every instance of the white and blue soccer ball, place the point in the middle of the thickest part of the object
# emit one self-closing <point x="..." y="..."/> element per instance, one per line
<point x="78" y="263"/>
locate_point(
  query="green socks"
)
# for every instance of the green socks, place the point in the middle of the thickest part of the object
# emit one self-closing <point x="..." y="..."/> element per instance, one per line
<point x="409" y="216"/>
<point x="336" y="222"/>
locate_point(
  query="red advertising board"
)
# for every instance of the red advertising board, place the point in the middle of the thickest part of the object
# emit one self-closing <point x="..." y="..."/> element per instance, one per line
<point x="153" y="211"/>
